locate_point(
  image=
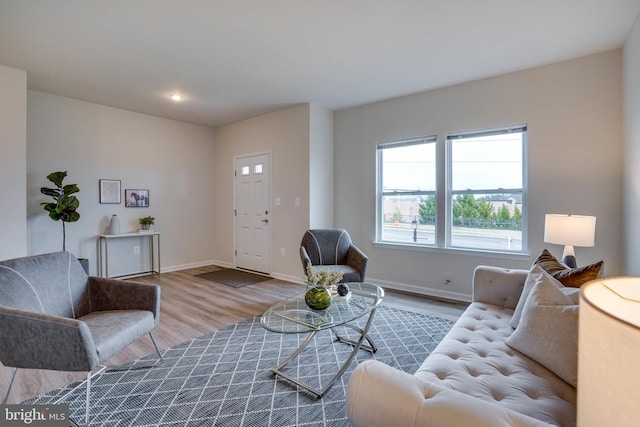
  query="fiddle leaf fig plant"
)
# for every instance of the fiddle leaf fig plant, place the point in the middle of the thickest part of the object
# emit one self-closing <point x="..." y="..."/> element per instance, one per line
<point x="64" y="206"/>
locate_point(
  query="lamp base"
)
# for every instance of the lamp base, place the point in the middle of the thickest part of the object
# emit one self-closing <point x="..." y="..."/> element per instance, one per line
<point x="570" y="261"/>
<point x="569" y="256"/>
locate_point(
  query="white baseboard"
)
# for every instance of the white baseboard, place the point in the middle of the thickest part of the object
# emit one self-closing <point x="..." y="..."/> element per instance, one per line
<point x="422" y="290"/>
<point x="168" y="269"/>
<point x="288" y="278"/>
<point x="224" y="264"/>
<point x="404" y="287"/>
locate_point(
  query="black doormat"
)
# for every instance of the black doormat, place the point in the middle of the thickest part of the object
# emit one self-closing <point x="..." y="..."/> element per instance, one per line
<point x="233" y="277"/>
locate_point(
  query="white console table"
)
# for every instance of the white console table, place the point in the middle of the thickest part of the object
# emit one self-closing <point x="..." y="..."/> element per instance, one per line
<point x="103" y="255"/>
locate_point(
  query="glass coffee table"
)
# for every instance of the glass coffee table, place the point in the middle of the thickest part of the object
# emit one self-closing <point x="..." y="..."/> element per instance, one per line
<point x="292" y="316"/>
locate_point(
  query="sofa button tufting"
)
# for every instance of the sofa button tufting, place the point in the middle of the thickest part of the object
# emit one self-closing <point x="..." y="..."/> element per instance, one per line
<point x="497" y="395"/>
<point x="504" y="372"/>
<point x="441" y="375"/>
<point x="532" y="394"/>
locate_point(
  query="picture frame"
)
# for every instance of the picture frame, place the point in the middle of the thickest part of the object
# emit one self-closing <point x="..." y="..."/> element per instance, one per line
<point x="109" y="191"/>
<point x="136" y="198"/>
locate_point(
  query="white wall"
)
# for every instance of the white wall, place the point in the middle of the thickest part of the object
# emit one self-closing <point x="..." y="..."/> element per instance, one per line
<point x="13" y="162"/>
<point x="631" y="71"/>
<point x="284" y="133"/>
<point x="574" y="114"/>
<point x="300" y="140"/>
<point x="173" y="160"/>
<point x="320" y="168"/>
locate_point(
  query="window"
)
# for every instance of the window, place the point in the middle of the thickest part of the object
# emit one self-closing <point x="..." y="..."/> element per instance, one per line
<point x="486" y="200"/>
<point x="483" y="196"/>
<point x="407" y="191"/>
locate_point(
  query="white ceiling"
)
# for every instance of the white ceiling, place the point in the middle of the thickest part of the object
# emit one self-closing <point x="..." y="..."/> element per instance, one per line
<point x="234" y="59"/>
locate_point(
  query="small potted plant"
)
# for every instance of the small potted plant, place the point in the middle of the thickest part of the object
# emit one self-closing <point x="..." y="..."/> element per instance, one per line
<point x="146" y="222"/>
<point x="319" y="286"/>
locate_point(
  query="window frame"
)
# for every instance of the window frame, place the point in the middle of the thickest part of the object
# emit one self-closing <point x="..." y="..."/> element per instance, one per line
<point x="444" y="193"/>
<point x="380" y="193"/>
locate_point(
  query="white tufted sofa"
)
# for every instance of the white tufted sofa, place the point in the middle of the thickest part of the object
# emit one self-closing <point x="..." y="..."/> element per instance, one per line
<point x="472" y="378"/>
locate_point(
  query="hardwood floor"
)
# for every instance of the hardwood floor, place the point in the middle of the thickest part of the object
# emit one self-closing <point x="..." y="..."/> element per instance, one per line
<point x="192" y="307"/>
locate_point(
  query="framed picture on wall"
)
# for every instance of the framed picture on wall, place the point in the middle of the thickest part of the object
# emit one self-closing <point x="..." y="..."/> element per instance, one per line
<point x="110" y="191"/>
<point x="136" y="198"/>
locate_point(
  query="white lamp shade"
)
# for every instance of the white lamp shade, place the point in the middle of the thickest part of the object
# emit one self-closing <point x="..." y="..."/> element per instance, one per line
<point x="609" y="353"/>
<point x="571" y="230"/>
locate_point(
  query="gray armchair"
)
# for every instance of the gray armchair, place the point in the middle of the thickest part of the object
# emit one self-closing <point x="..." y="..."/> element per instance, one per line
<point x="54" y="316"/>
<point x="332" y="249"/>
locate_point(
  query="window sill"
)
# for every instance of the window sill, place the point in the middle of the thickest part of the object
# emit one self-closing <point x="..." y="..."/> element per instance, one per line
<point x="518" y="256"/>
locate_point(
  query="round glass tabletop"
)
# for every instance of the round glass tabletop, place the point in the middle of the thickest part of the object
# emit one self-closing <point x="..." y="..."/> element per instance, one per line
<point x="292" y="316"/>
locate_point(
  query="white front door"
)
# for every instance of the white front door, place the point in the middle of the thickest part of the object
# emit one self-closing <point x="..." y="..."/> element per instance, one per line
<point x="252" y="197"/>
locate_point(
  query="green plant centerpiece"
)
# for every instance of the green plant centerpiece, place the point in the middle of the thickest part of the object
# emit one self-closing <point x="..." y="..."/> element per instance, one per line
<point x="146" y="222"/>
<point x="318" y="295"/>
<point x="65" y="205"/>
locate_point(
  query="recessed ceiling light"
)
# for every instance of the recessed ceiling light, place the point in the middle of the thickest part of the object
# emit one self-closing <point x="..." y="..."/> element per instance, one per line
<point x="176" y="97"/>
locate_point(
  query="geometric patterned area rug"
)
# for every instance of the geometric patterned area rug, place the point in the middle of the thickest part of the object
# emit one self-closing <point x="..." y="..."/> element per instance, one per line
<point x="225" y="379"/>
<point x="233" y="277"/>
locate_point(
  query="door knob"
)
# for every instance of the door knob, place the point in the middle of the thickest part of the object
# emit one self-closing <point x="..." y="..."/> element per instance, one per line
<point x="265" y="220"/>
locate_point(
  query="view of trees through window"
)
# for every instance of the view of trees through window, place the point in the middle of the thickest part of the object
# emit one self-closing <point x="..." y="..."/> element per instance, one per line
<point x="485" y="205"/>
<point x="469" y="211"/>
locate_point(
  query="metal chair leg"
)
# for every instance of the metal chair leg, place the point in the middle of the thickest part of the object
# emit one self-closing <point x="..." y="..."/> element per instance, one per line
<point x="88" y="381"/>
<point x="86" y="409"/>
<point x="156" y="346"/>
<point x="145" y="366"/>
<point x="13" y="376"/>
<point x="103" y="368"/>
<point x="86" y="417"/>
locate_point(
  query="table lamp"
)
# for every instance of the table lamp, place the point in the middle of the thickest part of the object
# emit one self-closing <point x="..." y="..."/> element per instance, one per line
<point x="608" y="352"/>
<point x="569" y="230"/>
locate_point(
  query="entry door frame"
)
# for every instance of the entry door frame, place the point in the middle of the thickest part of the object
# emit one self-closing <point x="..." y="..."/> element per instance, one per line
<point x="237" y="157"/>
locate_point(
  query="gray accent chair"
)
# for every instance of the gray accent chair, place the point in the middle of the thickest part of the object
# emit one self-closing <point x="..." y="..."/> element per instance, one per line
<point x="53" y="316"/>
<point x="332" y="249"/>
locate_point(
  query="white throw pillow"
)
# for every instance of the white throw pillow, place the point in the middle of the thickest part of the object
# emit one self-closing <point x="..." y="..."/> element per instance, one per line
<point x="573" y="293"/>
<point x="548" y="330"/>
<point x="534" y="274"/>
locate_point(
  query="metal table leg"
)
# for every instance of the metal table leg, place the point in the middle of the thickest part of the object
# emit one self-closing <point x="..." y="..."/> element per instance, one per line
<point x="356" y="346"/>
